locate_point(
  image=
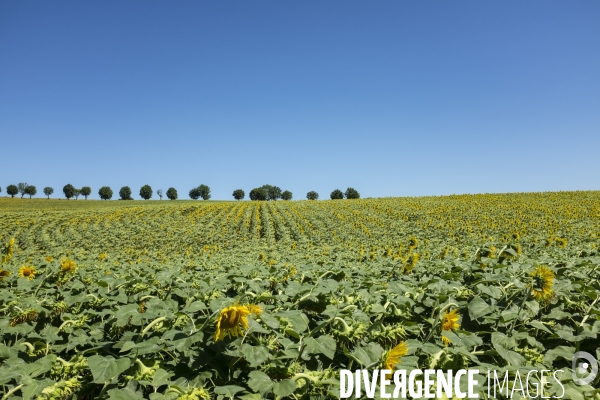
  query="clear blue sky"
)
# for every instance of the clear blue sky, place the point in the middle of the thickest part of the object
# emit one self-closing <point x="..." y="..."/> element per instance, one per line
<point x="393" y="98"/>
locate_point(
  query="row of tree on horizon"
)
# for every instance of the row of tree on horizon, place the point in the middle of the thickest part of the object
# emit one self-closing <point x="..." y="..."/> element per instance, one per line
<point x="263" y="193"/>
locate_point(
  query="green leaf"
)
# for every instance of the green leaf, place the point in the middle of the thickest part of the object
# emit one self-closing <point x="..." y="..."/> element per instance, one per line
<point x="161" y="377"/>
<point x="323" y="344"/>
<point x="228" y="391"/>
<point x="284" y="388"/>
<point x="478" y="308"/>
<point x="255" y="355"/>
<point x="104" y="369"/>
<point x="259" y="382"/>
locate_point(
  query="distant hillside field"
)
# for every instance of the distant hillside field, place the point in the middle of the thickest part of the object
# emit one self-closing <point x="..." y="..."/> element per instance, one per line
<point x="323" y="232"/>
<point x="252" y="300"/>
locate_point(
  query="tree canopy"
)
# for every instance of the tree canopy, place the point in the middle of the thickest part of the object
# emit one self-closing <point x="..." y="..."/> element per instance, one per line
<point x="69" y="191"/>
<point x="105" y="193"/>
<point x="239" y="194"/>
<point x="337" y="195"/>
<point x="125" y="193"/>
<point x="312" y="195"/>
<point x="172" y="193"/>
<point x="86" y="191"/>
<point x="146" y="192"/>
<point x="48" y="191"/>
<point x="12" y="190"/>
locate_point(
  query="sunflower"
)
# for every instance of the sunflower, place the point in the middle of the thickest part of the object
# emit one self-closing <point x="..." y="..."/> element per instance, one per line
<point x="27" y="272"/>
<point x="67" y="266"/>
<point x="450" y="323"/>
<point x="3" y="274"/>
<point x="542" y="281"/>
<point x="49" y="259"/>
<point x="232" y="321"/>
<point x="393" y="357"/>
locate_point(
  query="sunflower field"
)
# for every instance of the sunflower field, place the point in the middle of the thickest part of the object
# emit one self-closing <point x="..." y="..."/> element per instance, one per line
<point x="251" y="300"/>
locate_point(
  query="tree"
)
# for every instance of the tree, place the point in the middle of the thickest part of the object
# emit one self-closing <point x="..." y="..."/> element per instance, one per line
<point x="287" y="195"/>
<point x="77" y="193"/>
<point x="48" y="191"/>
<point x="204" y="192"/>
<point x="194" y="194"/>
<point x="105" y="193"/>
<point x="159" y="192"/>
<point x="12" y="190"/>
<point x="238" y="194"/>
<point x="352" y="194"/>
<point x="146" y="192"/>
<point x="273" y="192"/>
<point x="69" y="191"/>
<point x="30" y="190"/>
<point x="336" y="195"/>
<point x="312" y="195"/>
<point x="172" y="193"/>
<point x="86" y="191"/>
<point x="258" y="194"/>
<point x="22" y="186"/>
<point x="125" y="193"/>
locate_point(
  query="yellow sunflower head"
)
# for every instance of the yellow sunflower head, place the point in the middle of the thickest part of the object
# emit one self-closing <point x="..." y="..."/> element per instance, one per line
<point x="3" y="274"/>
<point x="49" y="259"/>
<point x="542" y="281"/>
<point x="67" y="266"/>
<point x="27" y="272"/>
<point x="450" y="320"/>
<point x="232" y="321"/>
<point x="394" y="355"/>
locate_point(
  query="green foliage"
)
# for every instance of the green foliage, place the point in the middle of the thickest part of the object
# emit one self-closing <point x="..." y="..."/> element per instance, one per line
<point x="12" y="190"/>
<point x="172" y="193"/>
<point x="86" y="191"/>
<point x="22" y="187"/>
<point x="30" y="190"/>
<point x="273" y="192"/>
<point x="312" y="195"/>
<point x="125" y="193"/>
<point x="146" y="192"/>
<point x="204" y="192"/>
<point x="105" y="193"/>
<point x="352" y="194"/>
<point x="286" y="195"/>
<point x="77" y="193"/>
<point x="69" y="191"/>
<point x="48" y="191"/>
<point x="238" y="194"/>
<point x="336" y="195"/>
<point x="194" y="193"/>
<point x="258" y="194"/>
<point x="340" y="284"/>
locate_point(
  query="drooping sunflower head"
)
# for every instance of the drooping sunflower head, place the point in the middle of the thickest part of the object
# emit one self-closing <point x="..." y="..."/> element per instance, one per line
<point x="541" y="283"/>
<point x="395" y="355"/>
<point x="67" y="266"/>
<point x="3" y="274"/>
<point x="232" y="321"/>
<point x="27" y="272"/>
<point x="102" y="257"/>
